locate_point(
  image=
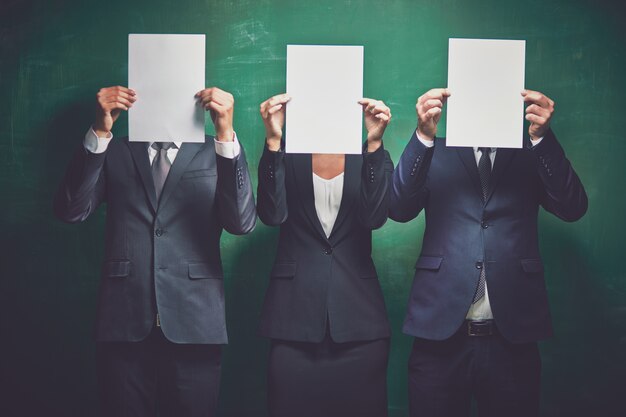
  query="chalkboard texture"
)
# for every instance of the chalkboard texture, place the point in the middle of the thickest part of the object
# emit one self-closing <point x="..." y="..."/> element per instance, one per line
<point x="56" y="54"/>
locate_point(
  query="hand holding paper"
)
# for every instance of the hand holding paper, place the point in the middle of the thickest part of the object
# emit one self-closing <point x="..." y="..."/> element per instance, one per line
<point x="429" y="107"/>
<point x="377" y="117"/>
<point x="110" y="102"/>
<point x="273" y="115"/>
<point x="538" y="113"/>
<point x="221" y="105"/>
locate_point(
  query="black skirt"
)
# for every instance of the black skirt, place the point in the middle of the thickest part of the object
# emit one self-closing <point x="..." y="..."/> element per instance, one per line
<point x="328" y="379"/>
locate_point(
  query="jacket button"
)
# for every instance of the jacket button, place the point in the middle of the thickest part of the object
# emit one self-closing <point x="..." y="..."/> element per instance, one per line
<point x="158" y="232"/>
<point x="328" y="251"/>
<point x="479" y="265"/>
<point x="484" y="224"/>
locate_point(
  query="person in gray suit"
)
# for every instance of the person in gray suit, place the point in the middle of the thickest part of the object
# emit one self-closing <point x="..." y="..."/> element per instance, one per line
<point x="160" y="316"/>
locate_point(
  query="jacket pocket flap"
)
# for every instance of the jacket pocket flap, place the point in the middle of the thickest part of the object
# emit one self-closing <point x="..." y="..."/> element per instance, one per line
<point x="199" y="173"/>
<point x="429" y="262"/>
<point x="203" y="271"/>
<point x="532" y="265"/>
<point x="284" y="270"/>
<point x="117" y="268"/>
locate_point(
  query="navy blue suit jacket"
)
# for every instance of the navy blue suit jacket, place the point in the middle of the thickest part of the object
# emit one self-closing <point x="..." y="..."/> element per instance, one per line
<point x="464" y="234"/>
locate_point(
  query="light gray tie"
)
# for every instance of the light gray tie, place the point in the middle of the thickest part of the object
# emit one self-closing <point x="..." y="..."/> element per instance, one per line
<point x="160" y="165"/>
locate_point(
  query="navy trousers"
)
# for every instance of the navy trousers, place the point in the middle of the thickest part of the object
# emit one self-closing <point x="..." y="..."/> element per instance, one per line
<point x="504" y="378"/>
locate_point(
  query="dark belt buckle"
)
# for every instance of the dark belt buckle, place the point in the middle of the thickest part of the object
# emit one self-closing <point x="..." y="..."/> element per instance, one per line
<point x="480" y="328"/>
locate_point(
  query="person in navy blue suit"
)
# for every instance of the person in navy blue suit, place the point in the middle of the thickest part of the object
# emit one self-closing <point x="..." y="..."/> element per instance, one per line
<point x="478" y="303"/>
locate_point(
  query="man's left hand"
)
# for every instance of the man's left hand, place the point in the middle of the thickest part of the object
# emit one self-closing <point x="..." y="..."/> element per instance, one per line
<point x="221" y="104"/>
<point x="538" y="113"/>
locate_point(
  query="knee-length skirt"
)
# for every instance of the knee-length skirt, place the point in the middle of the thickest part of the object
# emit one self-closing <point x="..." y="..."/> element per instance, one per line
<point x="328" y="379"/>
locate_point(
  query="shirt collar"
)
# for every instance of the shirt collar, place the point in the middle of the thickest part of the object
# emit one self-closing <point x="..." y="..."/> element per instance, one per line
<point x="493" y="150"/>
<point x="178" y="144"/>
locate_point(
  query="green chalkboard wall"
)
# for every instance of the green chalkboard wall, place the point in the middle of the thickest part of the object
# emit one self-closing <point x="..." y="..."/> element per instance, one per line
<point x="55" y="55"/>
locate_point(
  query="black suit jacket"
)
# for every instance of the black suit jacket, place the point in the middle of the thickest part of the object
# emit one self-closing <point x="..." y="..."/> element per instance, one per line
<point x="161" y="257"/>
<point x="314" y="278"/>
<point x="463" y="234"/>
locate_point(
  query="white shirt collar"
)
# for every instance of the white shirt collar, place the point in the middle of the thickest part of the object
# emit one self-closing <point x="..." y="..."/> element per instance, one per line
<point x="178" y="144"/>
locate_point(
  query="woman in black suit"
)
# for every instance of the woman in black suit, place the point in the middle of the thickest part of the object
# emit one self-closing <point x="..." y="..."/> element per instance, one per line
<point x="324" y="310"/>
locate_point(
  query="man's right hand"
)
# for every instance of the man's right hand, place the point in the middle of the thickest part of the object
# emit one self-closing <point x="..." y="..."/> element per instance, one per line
<point x="110" y="102"/>
<point x="429" y="107"/>
<point x="273" y="114"/>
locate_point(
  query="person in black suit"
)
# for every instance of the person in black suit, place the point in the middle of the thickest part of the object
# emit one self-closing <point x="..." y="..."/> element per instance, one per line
<point x="324" y="310"/>
<point x="160" y="317"/>
<point x="478" y="304"/>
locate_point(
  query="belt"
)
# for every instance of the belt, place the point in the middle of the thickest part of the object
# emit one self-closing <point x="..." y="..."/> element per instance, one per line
<point x="479" y="328"/>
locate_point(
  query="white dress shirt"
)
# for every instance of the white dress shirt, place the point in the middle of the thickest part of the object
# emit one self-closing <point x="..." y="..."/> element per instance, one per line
<point x="327" y="194"/>
<point x="95" y="144"/>
<point x="481" y="309"/>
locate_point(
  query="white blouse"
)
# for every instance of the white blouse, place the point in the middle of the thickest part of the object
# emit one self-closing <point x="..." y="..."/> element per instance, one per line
<point x="327" y="195"/>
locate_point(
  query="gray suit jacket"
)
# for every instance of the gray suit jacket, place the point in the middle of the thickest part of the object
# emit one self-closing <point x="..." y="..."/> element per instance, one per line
<point x="161" y="257"/>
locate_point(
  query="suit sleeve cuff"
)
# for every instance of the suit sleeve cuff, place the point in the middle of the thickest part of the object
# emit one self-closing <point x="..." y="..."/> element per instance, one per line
<point x="229" y="150"/>
<point x="534" y="143"/>
<point x="377" y="155"/>
<point x="95" y="144"/>
<point x="427" y="143"/>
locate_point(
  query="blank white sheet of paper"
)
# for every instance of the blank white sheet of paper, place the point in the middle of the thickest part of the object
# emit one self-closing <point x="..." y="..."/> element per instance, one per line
<point x="325" y="84"/>
<point x="166" y="71"/>
<point x="485" y="79"/>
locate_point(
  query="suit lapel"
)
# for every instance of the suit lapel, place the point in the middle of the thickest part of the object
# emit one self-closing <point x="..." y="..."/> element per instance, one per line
<point x="351" y="188"/>
<point x="303" y="173"/>
<point x="501" y="163"/>
<point x="139" y="152"/>
<point x="469" y="161"/>
<point x="185" y="155"/>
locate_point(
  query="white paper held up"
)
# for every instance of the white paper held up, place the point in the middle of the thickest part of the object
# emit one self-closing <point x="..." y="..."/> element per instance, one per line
<point x="166" y="71"/>
<point x="325" y="84"/>
<point x="485" y="79"/>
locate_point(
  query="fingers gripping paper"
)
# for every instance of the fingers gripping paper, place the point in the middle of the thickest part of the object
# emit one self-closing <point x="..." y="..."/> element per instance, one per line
<point x="485" y="79"/>
<point x="325" y="84"/>
<point x="166" y="71"/>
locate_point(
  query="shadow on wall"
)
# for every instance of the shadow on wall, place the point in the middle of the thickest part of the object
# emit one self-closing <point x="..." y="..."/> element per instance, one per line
<point x="53" y="272"/>
<point x="247" y="264"/>
<point x="588" y="329"/>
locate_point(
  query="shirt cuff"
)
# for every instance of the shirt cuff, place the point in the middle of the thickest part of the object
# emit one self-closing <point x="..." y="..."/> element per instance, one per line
<point x="95" y="144"/>
<point x="427" y="143"/>
<point x="536" y="142"/>
<point x="229" y="150"/>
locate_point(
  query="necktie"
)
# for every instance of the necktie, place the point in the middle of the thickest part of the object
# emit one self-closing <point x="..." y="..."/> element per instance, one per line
<point x="160" y="165"/>
<point x="484" y="170"/>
